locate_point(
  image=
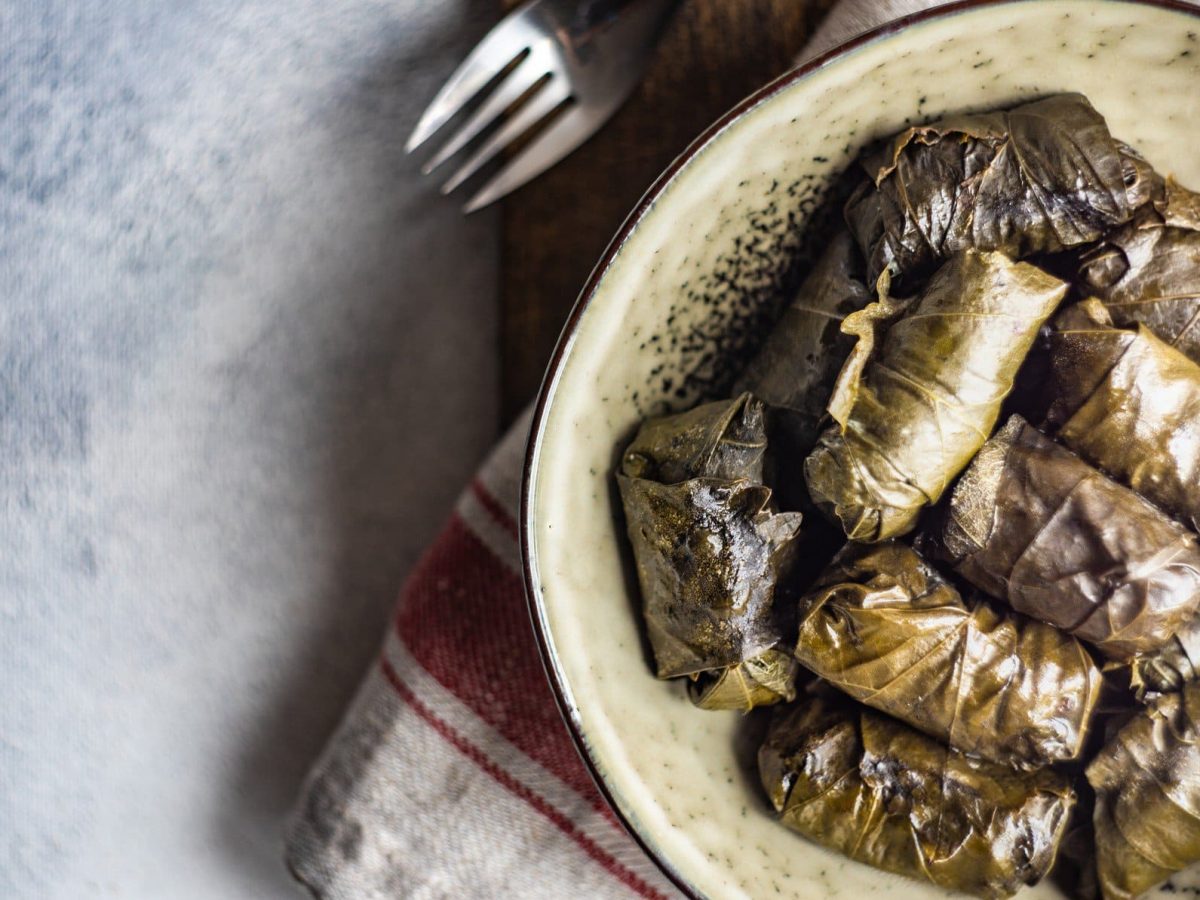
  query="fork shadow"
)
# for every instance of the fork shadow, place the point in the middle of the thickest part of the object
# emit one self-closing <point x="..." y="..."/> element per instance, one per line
<point x="403" y="420"/>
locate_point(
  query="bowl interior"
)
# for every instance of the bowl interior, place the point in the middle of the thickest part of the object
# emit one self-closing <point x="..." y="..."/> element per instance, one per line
<point x="693" y="281"/>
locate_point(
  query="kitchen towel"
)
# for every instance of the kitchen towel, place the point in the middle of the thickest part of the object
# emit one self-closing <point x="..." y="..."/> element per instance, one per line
<point x="452" y="774"/>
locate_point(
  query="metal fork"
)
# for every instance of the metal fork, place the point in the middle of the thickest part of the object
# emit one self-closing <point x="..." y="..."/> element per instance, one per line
<point x="585" y="56"/>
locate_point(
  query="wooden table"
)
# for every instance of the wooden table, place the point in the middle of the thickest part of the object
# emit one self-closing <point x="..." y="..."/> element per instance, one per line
<point x="714" y="53"/>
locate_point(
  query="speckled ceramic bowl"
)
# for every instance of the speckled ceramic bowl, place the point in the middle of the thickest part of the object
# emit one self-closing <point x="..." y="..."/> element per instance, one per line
<point x="693" y="274"/>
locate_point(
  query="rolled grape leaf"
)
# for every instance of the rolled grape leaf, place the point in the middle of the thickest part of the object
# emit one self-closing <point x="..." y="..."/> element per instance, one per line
<point x="796" y="367"/>
<point x="882" y="625"/>
<point x="1129" y="403"/>
<point x="1149" y="270"/>
<point x="708" y="555"/>
<point x="1033" y="524"/>
<point x="884" y="794"/>
<point x="762" y="680"/>
<point x="709" y="549"/>
<point x="922" y="390"/>
<point x="1147" y="783"/>
<point x="1038" y="178"/>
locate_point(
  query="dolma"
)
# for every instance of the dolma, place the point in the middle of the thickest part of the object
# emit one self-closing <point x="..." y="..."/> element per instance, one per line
<point x="1129" y="403"/>
<point x="1147" y="783"/>
<point x="1149" y="270"/>
<point x="709" y="547"/>
<point x="1033" y="524"/>
<point x="1038" y="178"/>
<point x="796" y="367"/>
<point x="886" y="795"/>
<point x="885" y="627"/>
<point x="922" y="389"/>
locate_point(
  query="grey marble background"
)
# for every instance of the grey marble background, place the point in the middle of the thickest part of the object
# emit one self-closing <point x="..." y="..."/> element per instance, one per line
<point x="247" y="359"/>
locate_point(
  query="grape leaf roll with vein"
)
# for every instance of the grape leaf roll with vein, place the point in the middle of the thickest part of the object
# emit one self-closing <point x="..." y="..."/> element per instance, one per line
<point x="884" y="626"/>
<point x="709" y="547"/>
<point x="885" y="794"/>
<point x="1127" y="401"/>
<point x="922" y="388"/>
<point x="1034" y="525"/>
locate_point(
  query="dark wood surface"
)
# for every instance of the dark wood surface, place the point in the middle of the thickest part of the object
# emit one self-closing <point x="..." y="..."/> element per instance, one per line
<point x="554" y="229"/>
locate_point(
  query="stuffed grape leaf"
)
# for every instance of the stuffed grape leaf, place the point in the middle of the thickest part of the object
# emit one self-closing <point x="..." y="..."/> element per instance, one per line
<point x="1147" y="783"/>
<point x="923" y="388"/>
<point x="1038" y="178"/>
<point x="1129" y="403"/>
<point x="882" y="625"/>
<point x="1149" y="270"/>
<point x="1033" y="524"/>
<point x="884" y="794"/>
<point x="709" y="549"/>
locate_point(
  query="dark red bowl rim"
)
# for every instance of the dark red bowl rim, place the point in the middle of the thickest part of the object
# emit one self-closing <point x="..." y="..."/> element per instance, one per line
<point x="764" y="93"/>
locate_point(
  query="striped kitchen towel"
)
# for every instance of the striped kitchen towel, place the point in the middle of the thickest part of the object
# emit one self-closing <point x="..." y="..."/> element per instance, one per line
<point x="452" y="774"/>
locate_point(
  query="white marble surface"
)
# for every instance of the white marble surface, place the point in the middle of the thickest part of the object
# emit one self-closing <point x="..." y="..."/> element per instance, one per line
<point x="247" y="358"/>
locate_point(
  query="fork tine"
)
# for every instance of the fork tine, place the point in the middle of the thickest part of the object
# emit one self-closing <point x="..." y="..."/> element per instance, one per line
<point x="524" y="77"/>
<point x="499" y="47"/>
<point x="537" y="108"/>
<point x="564" y="135"/>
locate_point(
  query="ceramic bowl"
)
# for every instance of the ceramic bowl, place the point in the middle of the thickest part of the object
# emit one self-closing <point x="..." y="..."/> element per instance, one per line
<point x="691" y="279"/>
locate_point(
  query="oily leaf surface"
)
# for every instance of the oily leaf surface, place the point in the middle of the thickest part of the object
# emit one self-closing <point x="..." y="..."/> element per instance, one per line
<point x="1033" y="524"/>
<point x="1171" y="666"/>
<point x="708" y="556"/>
<point x="1038" y="178"/>
<point x="709" y="548"/>
<point x="886" y="795"/>
<point x="1149" y="270"/>
<point x="761" y="680"/>
<point x="884" y="626"/>
<point x="922" y="390"/>
<point x="724" y="439"/>
<point x="1147" y="783"/>
<point x="1129" y="403"/>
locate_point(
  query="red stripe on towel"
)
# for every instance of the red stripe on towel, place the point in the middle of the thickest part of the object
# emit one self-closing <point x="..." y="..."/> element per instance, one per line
<point x="521" y="790"/>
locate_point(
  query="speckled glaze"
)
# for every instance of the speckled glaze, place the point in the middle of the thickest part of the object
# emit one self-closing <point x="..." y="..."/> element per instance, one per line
<point x="691" y="282"/>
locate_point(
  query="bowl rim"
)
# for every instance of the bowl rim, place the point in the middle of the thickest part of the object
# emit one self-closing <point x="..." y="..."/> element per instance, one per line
<point x="534" y="603"/>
